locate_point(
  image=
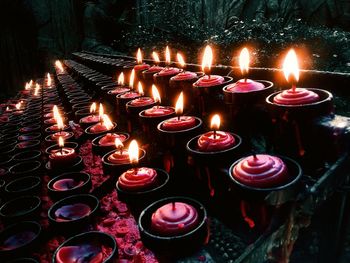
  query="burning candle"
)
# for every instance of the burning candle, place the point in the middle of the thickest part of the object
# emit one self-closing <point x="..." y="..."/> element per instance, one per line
<point x="260" y="170"/>
<point x="140" y="66"/>
<point x="121" y="88"/>
<point x="110" y="139"/>
<point x="215" y="140"/>
<point x="93" y="117"/>
<point x="59" y="126"/>
<point x="208" y="80"/>
<point x="59" y="67"/>
<point x="141" y="101"/>
<point x="64" y="156"/>
<point x="174" y="219"/>
<point x="137" y="178"/>
<point x="148" y="74"/>
<point x="48" y="80"/>
<point x="82" y="253"/>
<point x="36" y="90"/>
<point x="180" y="122"/>
<point x="105" y="124"/>
<point x="120" y="156"/>
<point x="157" y="111"/>
<point x="294" y="96"/>
<point x="130" y="94"/>
<point x="184" y="75"/>
<point x="168" y="70"/>
<point x="245" y="84"/>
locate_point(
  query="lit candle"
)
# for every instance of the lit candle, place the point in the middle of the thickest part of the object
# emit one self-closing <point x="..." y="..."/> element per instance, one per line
<point x="120" y="156"/>
<point x="129" y="95"/>
<point x="157" y="111"/>
<point x="168" y="70"/>
<point x="64" y="156"/>
<point x="104" y="125"/>
<point x="215" y="140"/>
<point x="294" y="96"/>
<point x="137" y="178"/>
<point x="111" y="139"/>
<point x="184" y="75"/>
<point x="140" y="66"/>
<point x="121" y="88"/>
<point x="48" y="80"/>
<point x="59" y="67"/>
<point x="141" y="101"/>
<point x="245" y="84"/>
<point x="180" y="122"/>
<point x="93" y="117"/>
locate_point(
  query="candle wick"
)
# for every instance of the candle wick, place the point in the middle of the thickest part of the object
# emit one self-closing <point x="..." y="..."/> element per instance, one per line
<point x="178" y="117"/>
<point x="294" y="86"/>
<point x="214" y="134"/>
<point x="61" y="150"/>
<point x="173" y="206"/>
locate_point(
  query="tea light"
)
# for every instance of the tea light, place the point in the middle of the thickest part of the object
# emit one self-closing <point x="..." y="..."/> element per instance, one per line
<point x="140" y="101"/>
<point x="140" y="66"/>
<point x="105" y="125"/>
<point x="110" y="138"/>
<point x="93" y="117"/>
<point x="80" y="253"/>
<point x="64" y="156"/>
<point x="72" y="212"/>
<point x="121" y="87"/>
<point x="120" y="156"/>
<point x="157" y="111"/>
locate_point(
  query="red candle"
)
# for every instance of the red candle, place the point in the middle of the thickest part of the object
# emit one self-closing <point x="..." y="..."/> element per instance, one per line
<point x="215" y="140"/>
<point x="181" y="122"/>
<point x="105" y="125"/>
<point x="119" y="90"/>
<point x="294" y="96"/>
<point x="261" y="171"/>
<point x="158" y="111"/>
<point x="129" y="95"/>
<point x="56" y="128"/>
<point x="64" y="156"/>
<point x="185" y="75"/>
<point x="138" y="179"/>
<point x="119" y="157"/>
<point x="209" y="80"/>
<point x="174" y="219"/>
<point x="140" y="66"/>
<point x="72" y="212"/>
<point x="153" y="69"/>
<point x="93" y="118"/>
<point x="66" y="184"/>
<point x="109" y="139"/>
<point x="83" y="253"/>
<point x="168" y="71"/>
<point x="65" y="135"/>
<point x="141" y="102"/>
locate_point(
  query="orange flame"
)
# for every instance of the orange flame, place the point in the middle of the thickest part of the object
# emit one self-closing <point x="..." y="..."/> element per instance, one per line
<point x="59" y="65"/>
<point x="155" y="57"/>
<point x="207" y="59"/>
<point x="59" y="122"/>
<point x="167" y="55"/>
<point x="27" y="86"/>
<point x="155" y="94"/>
<point x="132" y="78"/>
<point x="60" y="141"/>
<point x="118" y="143"/>
<point x="140" y="89"/>
<point x="139" y="56"/>
<point x="121" y="79"/>
<point x="107" y="122"/>
<point x="101" y="111"/>
<point x="215" y="122"/>
<point x="93" y="108"/>
<point x="56" y="112"/>
<point x="49" y="80"/>
<point x="18" y="105"/>
<point x="36" y="91"/>
<point x="133" y="152"/>
<point x="179" y="107"/>
<point x="244" y="61"/>
<point x="181" y="60"/>
<point x="291" y="66"/>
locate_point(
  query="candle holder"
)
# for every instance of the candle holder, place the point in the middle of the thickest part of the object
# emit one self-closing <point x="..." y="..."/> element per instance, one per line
<point x="68" y="184"/>
<point x="7" y="150"/>
<point x="122" y="100"/>
<point x="24" y="156"/>
<point x="30" y="129"/>
<point x="20" y="209"/>
<point x="55" y="147"/>
<point x="171" y="247"/>
<point x="147" y="75"/>
<point x="133" y="111"/>
<point x="93" y="238"/>
<point x="110" y="95"/>
<point x="29" y="230"/>
<point x="76" y="164"/>
<point x="90" y="135"/>
<point x="162" y="82"/>
<point x="67" y="136"/>
<point x="29" y="185"/>
<point x="29" y="136"/>
<point x="257" y="204"/>
<point x="100" y="149"/>
<point x="138" y="200"/>
<point x="210" y="97"/>
<point x="293" y="128"/>
<point x="27" y="168"/>
<point x="68" y="215"/>
<point x="27" y="145"/>
<point x="116" y="169"/>
<point x="54" y="128"/>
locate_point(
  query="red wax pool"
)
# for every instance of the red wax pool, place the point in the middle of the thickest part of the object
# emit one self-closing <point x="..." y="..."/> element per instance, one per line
<point x="84" y="253"/>
<point x="168" y="71"/>
<point x="119" y="157"/>
<point x="62" y="157"/>
<point x="245" y="85"/>
<point x="98" y="128"/>
<point x="141" y="101"/>
<point x="158" y="111"/>
<point x="137" y="179"/>
<point x="208" y="81"/>
<point x="186" y="75"/>
<point x="90" y="119"/>
<point x="109" y="139"/>
<point x="297" y="96"/>
<point x="179" y="123"/>
<point x="119" y="90"/>
<point x="140" y="67"/>
<point x="65" y="135"/>
<point x="129" y="95"/>
<point x="153" y="69"/>
<point x="207" y="142"/>
<point x="174" y="219"/>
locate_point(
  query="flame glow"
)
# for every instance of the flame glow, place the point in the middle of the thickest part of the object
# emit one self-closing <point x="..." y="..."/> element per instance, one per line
<point x="60" y="141"/>
<point x="59" y="65"/>
<point x="167" y="55"/>
<point x="133" y="152"/>
<point x="132" y="78"/>
<point x="59" y="121"/>
<point x="139" y="56"/>
<point x="140" y="89"/>
<point x="155" y="57"/>
<point x="101" y="111"/>
<point x="179" y="107"/>
<point x="121" y="79"/>
<point x="107" y="122"/>
<point x="215" y="122"/>
<point x="155" y="94"/>
<point x="181" y="60"/>
<point x="36" y="91"/>
<point x="18" y="105"/>
<point x="291" y="66"/>
<point x="93" y="108"/>
<point x="118" y="143"/>
<point x="207" y="59"/>
<point x="49" y="81"/>
<point x="55" y="112"/>
<point x="27" y="86"/>
<point x="244" y="61"/>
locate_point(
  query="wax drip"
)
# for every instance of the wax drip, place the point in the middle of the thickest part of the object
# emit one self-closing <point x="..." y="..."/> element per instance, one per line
<point x="211" y="188"/>
<point x="247" y="219"/>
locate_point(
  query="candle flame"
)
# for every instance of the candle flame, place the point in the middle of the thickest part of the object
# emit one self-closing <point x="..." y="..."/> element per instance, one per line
<point x="59" y="122"/>
<point x="179" y="107"/>
<point x="133" y="152"/>
<point x="155" y="57"/>
<point x="167" y="55"/>
<point x="118" y="143"/>
<point x="155" y="94"/>
<point x="291" y="66"/>
<point x="244" y="61"/>
<point x="139" y="56"/>
<point x="27" y="86"/>
<point x="181" y="60"/>
<point x="121" y="79"/>
<point x="31" y="82"/>
<point x="49" y="80"/>
<point x="7" y="108"/>
<point x="215" y="122"/>
<point x="60" y="141"/>
<point x="18" y="105"/>
<point x="107" y="122"/>
<point x="36" y="91"/>
<point x="132" y="78"/>
<point x="93" y="108"/>
<point x="59" y="65"/>
<point x="207" y="59"/>
<point x="101" y="111"/>
<point x="140" y="89"/>
<point x="56" y="112"/>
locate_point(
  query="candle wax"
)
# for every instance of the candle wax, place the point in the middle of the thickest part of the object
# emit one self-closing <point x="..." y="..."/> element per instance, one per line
<point x="142" y="101"/>
<point x="179" y="123"/>
<point x="82" y="253"/>
<point x="137" y="179"/>
<point x="208" y="81"/>
<point x="207" y="142"/>
<point x="245" y="85"/>
<point x="119" y="157"/>
<point x="140" y="67"/>
<point x="186" y="75"/>
<point x="17" y="240"/>
<point x="158" y="111"/>
<point x="168" y="71"/>
<point x="109" y="139"/>
<point x="297" y="96"/>
<point x="90" y="119"/>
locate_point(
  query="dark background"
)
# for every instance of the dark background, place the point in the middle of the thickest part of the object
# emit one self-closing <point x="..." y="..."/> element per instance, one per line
<point x="36" y="32"/>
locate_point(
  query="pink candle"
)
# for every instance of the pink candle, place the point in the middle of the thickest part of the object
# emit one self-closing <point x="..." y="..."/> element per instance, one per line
<point x="210" y="142"/>
<point x="82" y="253"/>
<point x="174" y="219"/>
<point x="119" y="157"/>
<point x="179" y="123"/>
<point x="66" y="184"/>
<point x="297" y="96"/>
<point x="138" y="179"/>
<point x="141" y="102"/>
<point x="245" y="85"/>
<point x="109" y="139"/>
<point x="158" y="111"/>
<point x="209" y="81"/>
